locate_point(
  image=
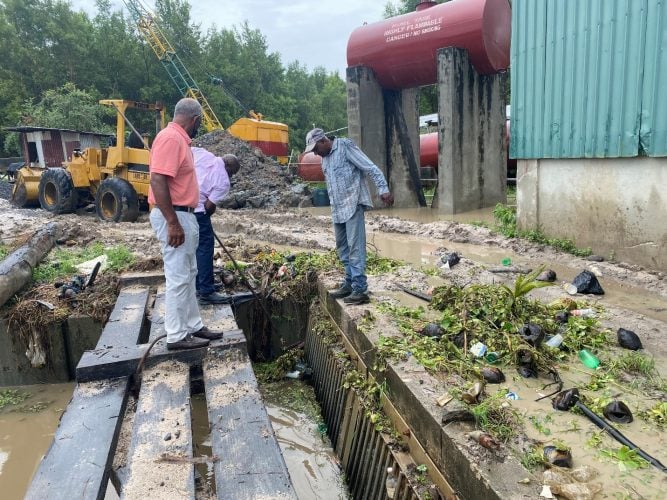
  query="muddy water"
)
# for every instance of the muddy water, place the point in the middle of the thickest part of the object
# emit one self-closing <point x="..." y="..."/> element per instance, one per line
<point x="424" y="215"/>
<point x="546" y="426"/>
<point x="26" y="431"/>
<point x="312" y="464"/>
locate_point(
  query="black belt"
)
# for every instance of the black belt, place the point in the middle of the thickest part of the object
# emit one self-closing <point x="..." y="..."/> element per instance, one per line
<point x="181" y="208"/>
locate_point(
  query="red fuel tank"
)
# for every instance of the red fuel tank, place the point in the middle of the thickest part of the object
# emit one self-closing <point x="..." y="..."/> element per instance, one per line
<point x="310" y="168"/>
<point x="402" y="50"/>
<point x="428" y="151"/>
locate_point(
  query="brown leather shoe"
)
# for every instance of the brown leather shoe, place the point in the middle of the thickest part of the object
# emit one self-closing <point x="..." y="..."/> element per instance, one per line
<point x="189" y="342"/>
<point x="205" y="333"/>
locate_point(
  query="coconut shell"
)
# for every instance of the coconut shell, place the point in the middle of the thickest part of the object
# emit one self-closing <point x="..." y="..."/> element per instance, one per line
<point x="562" y="317"/>
<point x="628" y="339"/>
<point x="527" y="371"/>
<point x="492" y="375"/>
<point x="432" y="330"/>
<point x="532" y="334"/>
<point x="618" y="412"/>
<point x="565" y="400"/>
<point x="554" y="456"/>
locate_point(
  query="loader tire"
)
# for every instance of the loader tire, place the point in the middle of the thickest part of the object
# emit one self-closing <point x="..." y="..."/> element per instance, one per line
<point x="116" y="201"/>
<point x="56" y="191"/>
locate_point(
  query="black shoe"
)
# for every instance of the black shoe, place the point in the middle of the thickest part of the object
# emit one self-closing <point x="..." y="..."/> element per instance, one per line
<point x="357" y="298"/>
<point x="341" y="292"/>
<point x="189" y="342"/>
<point x="214" y="298"/>
<point x="205" y="333"/>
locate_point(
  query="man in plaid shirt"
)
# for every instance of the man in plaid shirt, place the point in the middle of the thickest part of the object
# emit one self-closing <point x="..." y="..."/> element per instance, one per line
<point x="345" y="169"/>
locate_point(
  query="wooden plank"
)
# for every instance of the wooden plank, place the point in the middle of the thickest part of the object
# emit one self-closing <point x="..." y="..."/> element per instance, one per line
<point x="250" y="462"/>
<point x="78" y="463"/>
<point x="127" y="319"/>
<point x="123" y="361"/>
<point x="157" y="316"/>
<point x="159" y="461"/>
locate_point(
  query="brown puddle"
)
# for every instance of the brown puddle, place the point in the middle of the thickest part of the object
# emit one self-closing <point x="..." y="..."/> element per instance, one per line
<point x="546" y="425"/>
<point x="26" y="432"/>
<point x="312" y="463"/>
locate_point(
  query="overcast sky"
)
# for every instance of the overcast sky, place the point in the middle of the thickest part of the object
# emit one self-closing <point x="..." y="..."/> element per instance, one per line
<point x="313" y="32"/>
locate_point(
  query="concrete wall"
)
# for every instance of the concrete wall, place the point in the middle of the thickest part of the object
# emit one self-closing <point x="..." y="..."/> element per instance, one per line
<point x="66" y="341"/>
<point x="385" y="125"/>
<point x="365" y="118"/>
<point x="472" y="151"/>
<point x="615" y="206"/>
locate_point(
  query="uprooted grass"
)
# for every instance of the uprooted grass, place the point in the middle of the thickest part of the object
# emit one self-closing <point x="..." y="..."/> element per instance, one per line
<point x="63" y="262"/>
<point x="35" y="310"/>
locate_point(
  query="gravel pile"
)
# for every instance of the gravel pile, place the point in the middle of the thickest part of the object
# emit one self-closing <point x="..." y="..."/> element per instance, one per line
<point x="261" y="182"/>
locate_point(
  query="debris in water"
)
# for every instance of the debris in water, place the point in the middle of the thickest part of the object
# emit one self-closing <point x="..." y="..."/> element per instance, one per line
<point x="618" y="412"/>
<point x="546" y="492"/>
<point x="478" y="350"/>
<point x="547" y="275"/>
<point x="471" y="396"/>
<point x="587" y="282"/>
<point x="532" y="334"/>
<point x="577" y="491"/>
<point x="492" y="375"/>
<point x="562" y="317"/>
<point x="554" y="456"/>
<point x="565" y="400"/>
<point x="583" y="313"/>
<point x="628" y="339"/>
<point x="433" y="330"/>
<point x="450" y="260"/>
<point x="588" y="359"/>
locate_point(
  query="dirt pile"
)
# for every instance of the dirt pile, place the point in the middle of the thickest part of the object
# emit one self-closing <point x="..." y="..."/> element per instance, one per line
<point x="261" y="182"/>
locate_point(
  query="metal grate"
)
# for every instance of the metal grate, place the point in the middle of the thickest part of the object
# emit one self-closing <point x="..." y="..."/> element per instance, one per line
<point x="364" y="452"/>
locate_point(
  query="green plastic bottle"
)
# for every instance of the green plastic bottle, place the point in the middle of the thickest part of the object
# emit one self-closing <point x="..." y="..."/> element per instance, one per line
<point x="588" y="359"/>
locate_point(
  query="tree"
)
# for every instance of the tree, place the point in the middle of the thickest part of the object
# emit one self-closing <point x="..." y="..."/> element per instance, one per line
<point x="392" y="9"/>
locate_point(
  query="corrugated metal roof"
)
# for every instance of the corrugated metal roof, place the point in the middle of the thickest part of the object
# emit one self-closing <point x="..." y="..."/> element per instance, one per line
<point x="654" y="97"/>
<point x="578" y="81"/>
<point x="27" y="128"/>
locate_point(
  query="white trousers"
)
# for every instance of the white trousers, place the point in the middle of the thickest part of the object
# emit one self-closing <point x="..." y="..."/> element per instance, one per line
<point x="181" y="315"/>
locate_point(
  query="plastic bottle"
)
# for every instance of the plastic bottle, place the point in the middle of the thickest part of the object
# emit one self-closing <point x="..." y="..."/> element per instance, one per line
<point x="570" y="288"/>
<point x="478" y="350"/>
<point x="390" y="483"/>
<point x="506" y="262"/>
<point x="555" y="341"/>
<point x="588" y="359"/>
<point x="584" y="313"/>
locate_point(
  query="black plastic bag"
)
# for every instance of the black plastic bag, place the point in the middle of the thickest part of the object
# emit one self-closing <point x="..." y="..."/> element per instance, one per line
<point x="587" y="282"/>
<point x="450" y="259"/>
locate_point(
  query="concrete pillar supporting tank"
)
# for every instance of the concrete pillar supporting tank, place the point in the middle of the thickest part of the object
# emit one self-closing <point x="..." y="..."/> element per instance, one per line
<point x="385" y="125"/>
<point x="472" y="151"/>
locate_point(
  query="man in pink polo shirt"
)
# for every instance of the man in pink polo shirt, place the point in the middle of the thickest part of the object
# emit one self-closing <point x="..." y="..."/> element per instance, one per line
<point x="175" y="194"/>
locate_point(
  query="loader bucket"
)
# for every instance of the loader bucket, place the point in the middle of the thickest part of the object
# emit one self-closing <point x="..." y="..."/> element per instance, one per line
<point x="26" y="187"/>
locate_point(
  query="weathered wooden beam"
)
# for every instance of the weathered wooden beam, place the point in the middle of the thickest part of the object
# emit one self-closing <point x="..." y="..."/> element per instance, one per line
<point x="122" y="361"/>
<point x="250" y="464"/>
<point x="16" y="268"/>
<point x="127" y="321"/>
<point x="78" y="463"/>
<point x="160" y="457"/>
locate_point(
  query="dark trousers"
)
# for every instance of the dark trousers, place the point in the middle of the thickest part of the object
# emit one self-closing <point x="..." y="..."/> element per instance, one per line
<point x="205" y="255"/>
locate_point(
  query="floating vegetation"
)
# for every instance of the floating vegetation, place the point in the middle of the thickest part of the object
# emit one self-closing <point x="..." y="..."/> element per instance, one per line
<point x="12" y="397"/>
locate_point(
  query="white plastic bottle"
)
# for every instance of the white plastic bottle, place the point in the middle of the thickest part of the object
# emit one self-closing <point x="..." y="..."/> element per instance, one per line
<point x="390" y="483"/>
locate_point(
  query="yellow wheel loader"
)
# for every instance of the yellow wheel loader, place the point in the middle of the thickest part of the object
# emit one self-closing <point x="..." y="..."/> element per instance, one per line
<point x="115" y="178"/>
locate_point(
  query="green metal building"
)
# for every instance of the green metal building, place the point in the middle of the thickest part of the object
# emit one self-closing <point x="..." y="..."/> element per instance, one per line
<point x="589" y="123"/>
<point x="587" y="78"/>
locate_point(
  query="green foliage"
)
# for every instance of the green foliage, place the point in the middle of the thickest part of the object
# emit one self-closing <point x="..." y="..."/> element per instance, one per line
<point x="275" y="370"/>
<point x="64" y="261"/>
<point x="4" y="251"/>
<point x="506" y="224"/>
<point x="51" y="50"/>
<point x="12" y="397"/>
<point x="392" y="9"/>
<point x="499" y="420"/>
<point x="626" y="458"/>
<point x="533" y="458"/>
<point x="524" y="284"/>
<point x="657" y="414"/>
<point x="380" y="265"/>
<point x="68" y="107"/>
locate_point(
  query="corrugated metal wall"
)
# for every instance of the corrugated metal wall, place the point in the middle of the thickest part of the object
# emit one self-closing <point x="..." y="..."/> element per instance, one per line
<point x="654" y="93"/>
<point x="586" y="78"/>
